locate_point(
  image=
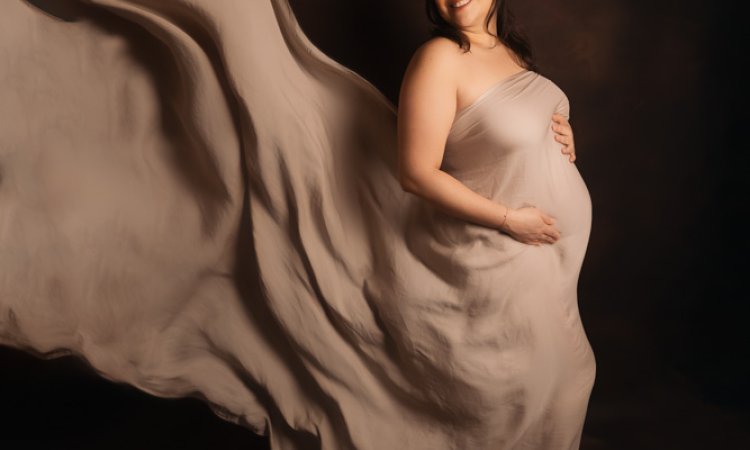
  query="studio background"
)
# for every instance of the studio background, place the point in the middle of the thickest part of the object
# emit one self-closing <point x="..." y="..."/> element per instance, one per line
<point x="655" y="103"/>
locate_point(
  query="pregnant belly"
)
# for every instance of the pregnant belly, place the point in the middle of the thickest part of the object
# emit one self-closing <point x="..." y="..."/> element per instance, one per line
<point x="539" y="176"/>
<point x="554" y="185"/>
<point x="568" y="200"/>
<point x="561" y="190"/>
<point x="562" y="193"/>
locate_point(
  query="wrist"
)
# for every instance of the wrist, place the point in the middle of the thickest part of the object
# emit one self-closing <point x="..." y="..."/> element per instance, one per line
<point x="504" y="220"/>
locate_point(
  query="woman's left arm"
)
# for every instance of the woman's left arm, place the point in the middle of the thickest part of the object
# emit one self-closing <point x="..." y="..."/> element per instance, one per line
<point x="564" y="135"/>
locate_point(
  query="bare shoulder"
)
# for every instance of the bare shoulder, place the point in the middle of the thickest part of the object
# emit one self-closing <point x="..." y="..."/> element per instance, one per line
<point x="437" y="51"/>
<point x="435" y="62"/>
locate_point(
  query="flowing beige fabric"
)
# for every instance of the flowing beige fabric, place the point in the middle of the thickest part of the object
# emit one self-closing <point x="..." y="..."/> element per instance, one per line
<point x="198" y="202"/>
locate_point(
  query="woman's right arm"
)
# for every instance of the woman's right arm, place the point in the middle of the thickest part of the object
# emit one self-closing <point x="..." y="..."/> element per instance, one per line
<point x="427" y="106"/>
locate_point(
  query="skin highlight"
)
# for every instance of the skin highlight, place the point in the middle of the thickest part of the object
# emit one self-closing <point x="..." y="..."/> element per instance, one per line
<point x="441" y="80"/>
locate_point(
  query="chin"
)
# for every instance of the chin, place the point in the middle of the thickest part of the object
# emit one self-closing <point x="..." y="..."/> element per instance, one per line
<point x="473" y="12"/>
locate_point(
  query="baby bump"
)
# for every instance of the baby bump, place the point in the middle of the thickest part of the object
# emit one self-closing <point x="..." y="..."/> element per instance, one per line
<point x="567" y="197"/>
<point x="555" y="186"/>
<point x="569" y="203"/>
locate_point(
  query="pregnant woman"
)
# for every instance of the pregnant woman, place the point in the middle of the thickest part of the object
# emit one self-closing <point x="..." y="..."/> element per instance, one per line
<point x="508" y="218"/>
<point x="197" y="201"/>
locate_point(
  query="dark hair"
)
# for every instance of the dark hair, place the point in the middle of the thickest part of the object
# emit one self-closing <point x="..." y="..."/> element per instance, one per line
<point x="507" y="31"/>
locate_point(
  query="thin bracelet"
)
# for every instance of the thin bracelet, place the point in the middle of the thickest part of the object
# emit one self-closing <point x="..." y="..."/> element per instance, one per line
<point x="505" y="217"/>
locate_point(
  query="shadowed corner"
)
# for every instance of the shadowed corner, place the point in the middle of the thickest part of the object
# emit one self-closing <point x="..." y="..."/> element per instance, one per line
<point x="67" y="10"/>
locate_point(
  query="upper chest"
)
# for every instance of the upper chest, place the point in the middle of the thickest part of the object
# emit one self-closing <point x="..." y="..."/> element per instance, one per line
<point x="510" y="114"/>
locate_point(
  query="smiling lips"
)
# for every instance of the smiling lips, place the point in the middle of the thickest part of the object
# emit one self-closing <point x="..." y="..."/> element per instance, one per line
<point x="460" y="4"/>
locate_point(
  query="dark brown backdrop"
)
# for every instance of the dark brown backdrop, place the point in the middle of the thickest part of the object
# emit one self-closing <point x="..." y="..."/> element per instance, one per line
<point x="655" y="107"/>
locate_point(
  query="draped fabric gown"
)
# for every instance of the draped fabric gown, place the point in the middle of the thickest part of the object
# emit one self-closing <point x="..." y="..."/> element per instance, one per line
<point x="197" y="202"/>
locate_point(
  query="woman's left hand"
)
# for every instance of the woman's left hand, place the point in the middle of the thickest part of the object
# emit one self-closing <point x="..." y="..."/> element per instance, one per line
<point x="564" y="135"/>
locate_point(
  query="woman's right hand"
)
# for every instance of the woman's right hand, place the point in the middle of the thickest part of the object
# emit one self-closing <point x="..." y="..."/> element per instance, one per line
<point x="530" y="225"/>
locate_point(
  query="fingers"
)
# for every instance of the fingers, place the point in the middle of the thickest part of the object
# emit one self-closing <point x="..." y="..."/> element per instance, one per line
<point x="564" y="139"/>
<point x="562" y="129"/>
<point x="569" y="150"/>
<point x="547" y="239"/>
<point x="543" y="240"/>
<point x="567" y="142"/>
<point x="549" y="236"/>
<point x="552" y="234"/>
<point x="549" y="220"/>
<point x="564" y="135"/>
<point x="561" y="126"/>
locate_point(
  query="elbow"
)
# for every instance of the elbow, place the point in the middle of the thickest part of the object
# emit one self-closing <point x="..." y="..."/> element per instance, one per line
<point x="411" y="183"/>
<point x="407" y="181"/>
<point x="407" y="184"/>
